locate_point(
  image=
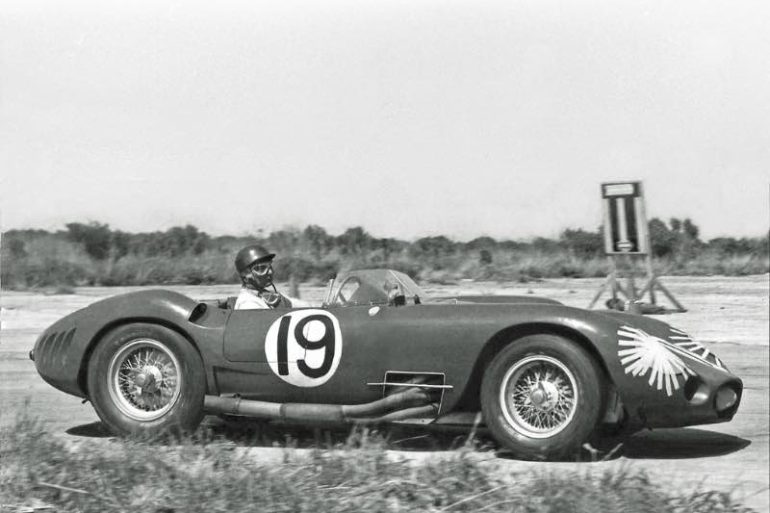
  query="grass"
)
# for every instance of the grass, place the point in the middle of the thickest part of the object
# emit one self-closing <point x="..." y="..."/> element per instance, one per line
<point x="358" y="474"/>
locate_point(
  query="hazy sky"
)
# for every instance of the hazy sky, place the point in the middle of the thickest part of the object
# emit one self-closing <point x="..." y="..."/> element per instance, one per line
<point x="409" y="118"/>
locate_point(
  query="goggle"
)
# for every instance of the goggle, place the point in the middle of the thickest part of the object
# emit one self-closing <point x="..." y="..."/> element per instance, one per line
<point x="261" y="269"/>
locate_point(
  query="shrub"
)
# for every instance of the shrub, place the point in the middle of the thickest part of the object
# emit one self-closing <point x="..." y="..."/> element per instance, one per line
<point x="95" y="238"/>
<point x="582" y="244"/>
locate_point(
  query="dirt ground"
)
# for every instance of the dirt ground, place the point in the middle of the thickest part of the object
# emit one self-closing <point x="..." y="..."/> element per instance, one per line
<point x="731" y="315"/>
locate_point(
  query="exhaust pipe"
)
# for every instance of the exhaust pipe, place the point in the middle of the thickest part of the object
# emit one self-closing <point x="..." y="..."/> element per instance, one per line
<point x="428" y="410"/>
<point x="412" y="403"/>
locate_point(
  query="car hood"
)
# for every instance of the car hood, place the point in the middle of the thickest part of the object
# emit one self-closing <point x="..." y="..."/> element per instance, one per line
<point x="490" y="299"/>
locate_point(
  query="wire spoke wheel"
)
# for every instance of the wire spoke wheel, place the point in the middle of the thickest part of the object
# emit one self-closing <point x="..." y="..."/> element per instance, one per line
<point x="539" y="396"/>
<point x="144" y="379"/>
<point x="542" y="396"/>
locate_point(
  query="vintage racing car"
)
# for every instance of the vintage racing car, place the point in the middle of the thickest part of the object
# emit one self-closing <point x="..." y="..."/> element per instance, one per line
<point x="543" y="375"/>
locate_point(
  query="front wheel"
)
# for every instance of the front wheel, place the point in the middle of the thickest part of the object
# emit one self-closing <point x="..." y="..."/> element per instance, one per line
<point x="145" y="378"/>
<point x="542" y="397"/>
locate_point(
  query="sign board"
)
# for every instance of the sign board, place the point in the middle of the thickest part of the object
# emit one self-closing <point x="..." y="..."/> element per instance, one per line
<point x="625" y="223"/>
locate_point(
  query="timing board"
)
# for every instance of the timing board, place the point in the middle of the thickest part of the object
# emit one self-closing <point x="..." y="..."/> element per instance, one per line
<point x="625" y="223"/>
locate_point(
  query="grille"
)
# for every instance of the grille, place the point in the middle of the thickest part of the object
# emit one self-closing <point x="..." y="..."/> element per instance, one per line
<point x="53" y="348"/>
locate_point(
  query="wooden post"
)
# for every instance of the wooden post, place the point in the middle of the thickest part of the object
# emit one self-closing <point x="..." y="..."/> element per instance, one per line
<point x="613" y="276"/>
<point x="670" y="296"/>
<point x="633" y="306"/>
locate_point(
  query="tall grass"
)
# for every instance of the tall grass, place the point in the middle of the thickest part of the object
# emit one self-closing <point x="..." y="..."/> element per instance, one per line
<point x="203" y="474"/>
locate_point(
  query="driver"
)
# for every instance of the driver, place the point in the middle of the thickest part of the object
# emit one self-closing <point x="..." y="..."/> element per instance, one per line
<point x="255" y="267"/>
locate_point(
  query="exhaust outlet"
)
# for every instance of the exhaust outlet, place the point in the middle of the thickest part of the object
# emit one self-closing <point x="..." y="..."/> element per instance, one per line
<point x="413" y="403"/>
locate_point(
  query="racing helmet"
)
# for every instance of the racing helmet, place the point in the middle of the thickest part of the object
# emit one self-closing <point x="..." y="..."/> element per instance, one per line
<point x="247" y="263"/>
<point x="251" y="255"/>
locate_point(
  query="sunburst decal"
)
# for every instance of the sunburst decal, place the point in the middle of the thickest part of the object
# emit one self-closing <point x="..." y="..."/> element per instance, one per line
<point x="640" y="352"/>
<point x="683" y="340"/>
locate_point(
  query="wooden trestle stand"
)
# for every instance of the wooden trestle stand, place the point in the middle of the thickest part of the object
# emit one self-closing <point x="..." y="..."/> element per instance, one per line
<point x="626" y="240"/>
<point x="634" y="299"/>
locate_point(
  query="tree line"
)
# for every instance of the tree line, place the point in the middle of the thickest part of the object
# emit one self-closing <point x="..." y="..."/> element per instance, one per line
<point x="94" y="253"/>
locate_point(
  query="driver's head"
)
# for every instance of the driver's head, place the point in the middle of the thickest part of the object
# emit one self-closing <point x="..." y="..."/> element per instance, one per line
<point x="255" y="267"/>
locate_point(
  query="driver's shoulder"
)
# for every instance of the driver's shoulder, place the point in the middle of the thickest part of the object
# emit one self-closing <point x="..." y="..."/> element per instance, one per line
<point x="249" y="300"/>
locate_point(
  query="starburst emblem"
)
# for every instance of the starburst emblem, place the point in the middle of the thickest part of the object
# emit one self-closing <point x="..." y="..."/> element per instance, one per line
<point x="683" y="340"/>
<point x="640" y="352"/>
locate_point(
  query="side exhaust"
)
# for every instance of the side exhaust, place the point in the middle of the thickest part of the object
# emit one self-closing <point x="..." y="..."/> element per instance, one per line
<point x="411" y="403"/>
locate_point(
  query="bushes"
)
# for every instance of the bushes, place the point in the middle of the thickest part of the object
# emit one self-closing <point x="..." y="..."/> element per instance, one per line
<point x="46" y="261"/>
<point x="208" y="268"/>
<point x="46" y="272"/>
<point x="582" y="244"/>
<point x="303" y="269"/>
<point x="95" y="238"/>
<point x="93" y="254"/>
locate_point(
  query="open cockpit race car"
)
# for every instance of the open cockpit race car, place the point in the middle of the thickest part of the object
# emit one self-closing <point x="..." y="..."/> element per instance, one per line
<point x="544" y="376"/>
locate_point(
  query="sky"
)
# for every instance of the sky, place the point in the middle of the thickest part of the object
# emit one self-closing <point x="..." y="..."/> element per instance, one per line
<point x="409" y="118"/>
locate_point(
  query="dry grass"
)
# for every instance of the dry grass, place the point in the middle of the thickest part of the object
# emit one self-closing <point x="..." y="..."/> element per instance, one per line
<point x="201" y="474"/>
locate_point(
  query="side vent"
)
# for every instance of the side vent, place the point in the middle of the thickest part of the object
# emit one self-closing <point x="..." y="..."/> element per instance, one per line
<point x="432" y="383"/>
<point x="198" y="312"/>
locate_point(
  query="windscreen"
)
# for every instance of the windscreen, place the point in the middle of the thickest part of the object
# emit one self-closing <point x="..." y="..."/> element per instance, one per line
<point x="371" y="287"/>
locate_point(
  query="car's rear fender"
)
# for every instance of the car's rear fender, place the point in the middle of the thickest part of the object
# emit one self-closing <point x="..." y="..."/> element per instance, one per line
<point x="62" y="360"/>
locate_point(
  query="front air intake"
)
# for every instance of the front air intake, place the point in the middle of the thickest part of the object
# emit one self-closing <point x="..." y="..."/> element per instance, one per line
<point x="726" y="400"/>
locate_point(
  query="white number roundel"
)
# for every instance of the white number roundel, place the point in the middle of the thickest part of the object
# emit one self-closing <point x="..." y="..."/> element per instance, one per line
<point x="304" y="347"/>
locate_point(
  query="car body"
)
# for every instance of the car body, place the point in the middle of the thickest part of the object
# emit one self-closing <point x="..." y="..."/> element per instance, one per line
<point x="544" y="375"/>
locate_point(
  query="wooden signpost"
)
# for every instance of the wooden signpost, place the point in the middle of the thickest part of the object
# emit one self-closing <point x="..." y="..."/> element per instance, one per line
<point x="626" y="240"/>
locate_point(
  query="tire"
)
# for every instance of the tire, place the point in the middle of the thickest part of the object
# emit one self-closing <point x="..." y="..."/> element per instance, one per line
<point x="559" y="402"/>
<point x="146" y="379"/>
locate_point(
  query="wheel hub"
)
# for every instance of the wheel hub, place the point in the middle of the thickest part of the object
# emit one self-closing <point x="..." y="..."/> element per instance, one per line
<point x="149" y="379"/>
<point x="544" y="395"/>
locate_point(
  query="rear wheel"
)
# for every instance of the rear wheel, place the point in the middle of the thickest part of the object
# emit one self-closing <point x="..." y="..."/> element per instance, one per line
<point x="145" y="378"/>
<point x="542" y="397"/>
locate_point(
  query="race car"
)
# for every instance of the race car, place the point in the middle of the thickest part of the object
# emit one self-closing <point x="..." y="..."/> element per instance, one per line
<point x="541" y="376"/>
